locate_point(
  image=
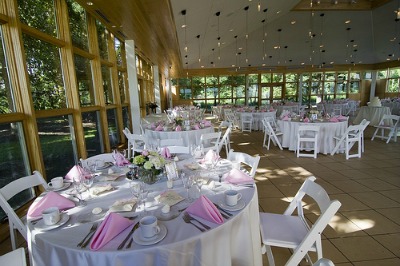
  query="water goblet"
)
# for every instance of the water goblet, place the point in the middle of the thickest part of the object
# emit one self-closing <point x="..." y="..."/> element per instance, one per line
<point x="87" y="181"/>
<point x="188" y="182"/>
<point x="78" y="185"/>
<point x="199" y="183"/>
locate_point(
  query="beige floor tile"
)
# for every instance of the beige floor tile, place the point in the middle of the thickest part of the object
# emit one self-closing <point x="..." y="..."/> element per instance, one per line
<point x="273" y="205"/>
<point x="392" y="194"/>
<point x="391" y="213"/>
<point x="361" y="248"/>
<point x="378" y="184"/>
<point x="349" y="186"/>
<point x="372" y="222"/>
<point x="336" y="166"/>
<point x="354" y="174"/>
<point x="383" y="262"/>
<point x="391" y="242"/>
<point x="269" y="191"/>
<point x="349" y="203"/>
<point x="375" y="200"/>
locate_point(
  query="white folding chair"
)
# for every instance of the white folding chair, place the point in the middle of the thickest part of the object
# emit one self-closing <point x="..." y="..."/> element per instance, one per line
<point x="246" y="122"/>
<point x="292" y="231"/>
<point x="136" y="142"/>
<point x="272" y="134"/>
<point x="12" y="189"/>
<point x="178" y="149"/>
<point x="15" y="258"/>
<point x="349" y="138"/>
<point x="364" y="123"/>
<point x="170" y="142"/>
<point x="225" y="140"/>
<point x="307" y="134"/>
<point x="104" y="157"/>
<point x="210" y="141"/>
<point x="390" y="123"/>
<point x="250" y="162"/>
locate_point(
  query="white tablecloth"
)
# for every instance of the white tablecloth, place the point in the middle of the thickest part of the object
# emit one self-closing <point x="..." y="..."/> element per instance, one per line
<point x="257" y="118"/>
<point x="236" y="242"/>
<point x="327" y="131"/>
<point x="372" y="114"/>
<point x="189" y="137"/>
<point x="329" y="107"/>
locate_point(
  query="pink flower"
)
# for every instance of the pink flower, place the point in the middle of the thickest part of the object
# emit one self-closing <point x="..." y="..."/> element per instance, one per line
<point x="145" y="153"/>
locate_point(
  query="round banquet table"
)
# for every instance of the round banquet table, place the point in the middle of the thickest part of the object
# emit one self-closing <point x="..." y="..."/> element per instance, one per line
<point x="189" y="137"/>
<point x="327" y="131"/>
<point x="235" y="242"/>
<point x="372" y="114"/>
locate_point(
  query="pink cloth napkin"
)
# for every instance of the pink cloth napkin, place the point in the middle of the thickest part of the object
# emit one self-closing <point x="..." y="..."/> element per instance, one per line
<point x="165" y="153"/>
<point x="285" y="118"/>
<point x="211" y="156"/>
<point x="159" y="128"/>
<point x="306" y="120"/>
<point x="236" y="176"/>
<point x="206" y="123"/>
<point x="51" y="199"/>
<point x="152" y="126"/>
<point x="205" y="209"/>
<point x="178" y="128"/>
<point x="120" y="160"/>
<point x="271" y="109"/>
<point x="196" y="127"/>
<point x="75" y="172"/>
<point x="333" y="119"/>
<point x="111" y="226"/>
<point x="340" y="117"/>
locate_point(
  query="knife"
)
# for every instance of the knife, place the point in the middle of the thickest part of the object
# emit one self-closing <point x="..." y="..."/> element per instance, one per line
<point x="121" y="246"/>
<point x="222" y="210"/>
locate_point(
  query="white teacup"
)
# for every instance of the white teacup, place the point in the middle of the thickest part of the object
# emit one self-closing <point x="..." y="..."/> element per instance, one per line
<point x="232" y="197"/>
<point x="149" y="227"/>
<point x="56" y="182"/>
<point x="51" y="216"/>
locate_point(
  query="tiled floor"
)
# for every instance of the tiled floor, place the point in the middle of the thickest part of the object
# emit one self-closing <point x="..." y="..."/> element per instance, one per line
<point x="366" y="230"/>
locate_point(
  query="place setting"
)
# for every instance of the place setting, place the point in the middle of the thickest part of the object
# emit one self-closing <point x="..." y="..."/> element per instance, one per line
<point x="57" y="184"/>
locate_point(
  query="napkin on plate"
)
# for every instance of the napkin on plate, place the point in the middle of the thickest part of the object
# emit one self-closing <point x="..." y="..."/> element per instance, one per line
<point x="306" y="120"/>
<point x="333" y="119"/>
<point x="124" y="205"/>
<point x="165" y="153"/>
<point x="196" y="127"/>
<point x="111" y="226"/>
<point x="178" y="128"/>
<point x="237" y="177"/>
<point x="98" y="189"/>
<point x="205" y="209"/>
<point x="211" y="156"/>
<point x="207" y="123"/>
<point x="75" y="172"/>
<point x="51" y="199"/>
<point x="285" y="118"/>
<point x="159" y="128"/>
<point x="120" y="160"/>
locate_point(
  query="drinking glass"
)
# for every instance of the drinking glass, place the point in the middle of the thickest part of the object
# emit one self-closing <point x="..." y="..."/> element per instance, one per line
<point x="188" y="182"/>
<point x="78" y="185"/>
<point x="87" y="181"/>
<point x="143" y="196"/>
<point x="199" y="183"/>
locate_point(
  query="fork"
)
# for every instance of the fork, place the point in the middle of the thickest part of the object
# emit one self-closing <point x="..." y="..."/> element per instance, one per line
<point x="191" y="218"/>
<point x="92" y="229"/>
<point x="187" y="220"/>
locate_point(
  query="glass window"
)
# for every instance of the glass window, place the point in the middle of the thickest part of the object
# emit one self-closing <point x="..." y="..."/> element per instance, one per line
<point x="118" y="46"/>
<point x="265" y="93"/>
<point x="85" y="81"/>
<point x="238" y="91"/>
<point x="253" y="95"/>
<point x="291" y="89"/>
<point x="102" y="38"/>
<point x="198" y="81"/>
<point x="6" y="94"/>
<point x="225" y="91"/>
<point x="211" y="80"/>
<point x="277" y="77"/>
<point x="354" y="87"/>
<point x="393" y="85"/>
<point x="56" y="140"/>
<point x="198" y="93"/>
<point x="126" y="117"/>
<point x="107" y="85"/>
<point x="185" y="93"/>
<point x="112" y="128"/>
<point x="211" y="92"/>
<point x="253" y="78"/>
<point x="277" y="92"/>
<point x="13" y="161"/>
<point x="39" y="15"/>
<point x="121" y="86"/>
<point x="44" y="69"/>
<point x="184" y="82"/>
<point x="292" y="77"/>
<point x="92" y="132"/>
<point x="330" y="76"/>
<point x="78" y="25"/>
<point x="266" y="78"/>
<point x="382" y="74"/>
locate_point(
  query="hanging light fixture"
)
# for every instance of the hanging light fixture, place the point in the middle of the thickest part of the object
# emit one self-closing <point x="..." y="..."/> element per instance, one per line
<point x="198" y="38"/>
<point x="321" y="39"/>
<point x="264" y="40"/>
<point x="247" y="31"/>
<point x="279" y="46"/>
<point x="219" y="37"/>
<point x="184" y="26"/>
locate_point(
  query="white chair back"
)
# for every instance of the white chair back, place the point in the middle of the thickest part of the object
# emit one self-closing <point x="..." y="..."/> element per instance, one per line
<point x="307" y="134"/>
<point x="246" y="121"/>
<point x="104" y="157"/>
<point x="15" y="258"/>
<point x="249" y="161"/>
<point x="389" y="123"/>
<point x="225" y="140"/>
<point x="12" y="189"/>
<point x="210" y="141"/>
<point x="271" y="134"/>
<point x="136" y="142"/>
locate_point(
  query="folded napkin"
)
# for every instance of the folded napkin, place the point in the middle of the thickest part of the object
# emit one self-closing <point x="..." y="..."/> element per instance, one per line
<point x="237" y="177"/>
<point x="75" y="172"/>
<point x="333" y="119"/>
<point x="51" y="199"/>
<point x="285" y="118"/>
<point x="124" y="205"/>
<point x="120" y="159"/>
<point x="205" y="209"/>
<point x="196" y="127"/>
<point x="111" y="226"/>
<point x="207" y="123"/>
<point x="165" y="153"/>
<point x="159" y="128"/>
<point x="178" y="128"/>
<point x="271" y="109"/>
<point x="211" y="156"/>
<point x="341" y="117"/>
<point x="306" y="120"/>
<point x="98" y="189"/>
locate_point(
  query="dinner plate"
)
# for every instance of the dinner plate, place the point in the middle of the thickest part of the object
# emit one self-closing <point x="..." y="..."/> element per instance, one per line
<point x="144" y="241"/>
<point x="167" y="216"/>
<point x="40" y="225"/>
<point x="105" y="165"/>
<point x="240" y="205"/>
<point x="66" y="185"/>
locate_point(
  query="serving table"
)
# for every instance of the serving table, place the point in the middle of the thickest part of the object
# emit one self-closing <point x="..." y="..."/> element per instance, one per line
<point x="189" y="137"/>
<point x="235" y="242"/>
<point x="327" y="131"/>
<point x="372" y="114"/>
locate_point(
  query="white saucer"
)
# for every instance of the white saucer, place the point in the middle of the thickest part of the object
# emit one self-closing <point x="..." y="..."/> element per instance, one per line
<point x="167" y="216"/>
<point x="66" y="185"/>
<point x="240" y="205"/>
<point x="139" y="239"/>
<point x="44" y="227"/>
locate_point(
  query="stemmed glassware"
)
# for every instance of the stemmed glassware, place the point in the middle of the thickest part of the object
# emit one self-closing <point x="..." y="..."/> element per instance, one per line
<point x="187" y="183"/>
<point x="199" y="183"/>
<point x="78" y="185"/>
<point x="88" y="180"/>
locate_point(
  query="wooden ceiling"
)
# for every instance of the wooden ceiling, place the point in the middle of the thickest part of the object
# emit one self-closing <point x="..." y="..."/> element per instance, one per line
<point x="351" y="5"/>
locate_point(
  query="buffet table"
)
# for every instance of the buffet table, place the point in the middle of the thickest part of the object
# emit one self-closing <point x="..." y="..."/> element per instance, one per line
<point x="190" y="137"/>
<point x="327" y="131"/>
<point x="235" y="242"/>
<point x="372" y="114"/>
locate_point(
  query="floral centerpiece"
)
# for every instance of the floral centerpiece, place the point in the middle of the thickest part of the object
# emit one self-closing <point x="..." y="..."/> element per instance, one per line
<point x="178" y="121"/>
<point x="150" y="165"/>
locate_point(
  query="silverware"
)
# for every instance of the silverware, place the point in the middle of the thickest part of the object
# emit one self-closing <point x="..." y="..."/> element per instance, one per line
<point x="191" y="218"/>
<point x="121" y="246"/>
<point x="92" y="230"/>
<point x="222" y="210"/>
<point x="129" y="244"/>
<point x="187" y="220"/>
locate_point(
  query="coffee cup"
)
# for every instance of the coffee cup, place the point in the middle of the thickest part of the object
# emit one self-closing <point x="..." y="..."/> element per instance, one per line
<point x="51" y="216"/>
<point x="56" y="182"/>
<point x="149" y="227"/>
<point x="232" y="197"/>
<point x="236" y="165"/>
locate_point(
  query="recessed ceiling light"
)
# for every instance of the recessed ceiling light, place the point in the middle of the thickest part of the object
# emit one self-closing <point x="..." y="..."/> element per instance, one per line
<point x="89" y="3"/>
<point x="183" y="26"/>
<point x="302" y="63"/>
<point x="233" y="65"/>
<point x="293" y="22"/>
<point x="332" y="62"/>
<point x="240" y="48"/>
<point x="113" y="26"/>
<point x="277" y="12"/>
<point x="231" y="30"/>
<point x="347" y="21"/>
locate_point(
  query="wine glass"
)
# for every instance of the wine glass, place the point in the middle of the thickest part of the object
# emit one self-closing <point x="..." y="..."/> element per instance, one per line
<point x="78" y="185"/>
<point x="199" y="181"/>
<point x="187" y="183"/>
<point x="87" y="181"/>
<point x="143" y="196"/>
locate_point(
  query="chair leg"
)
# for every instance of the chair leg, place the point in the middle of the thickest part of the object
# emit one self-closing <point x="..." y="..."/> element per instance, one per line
<point x="270" y="256"/>
<point x="376" y="131"/>
<point x="12" y="236"/>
